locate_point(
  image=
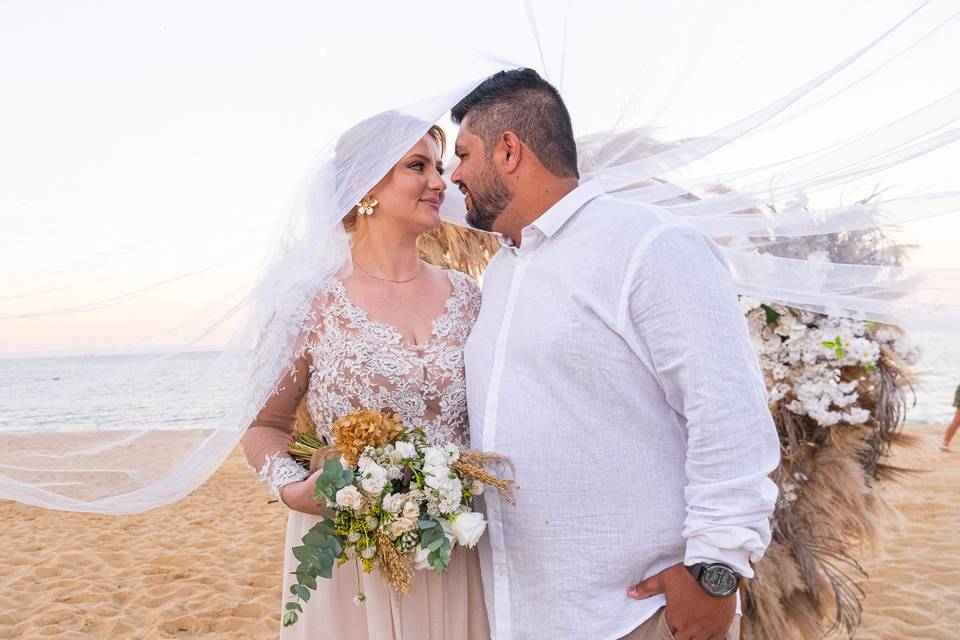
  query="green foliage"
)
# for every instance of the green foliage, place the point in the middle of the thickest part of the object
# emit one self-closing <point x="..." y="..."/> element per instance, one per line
<point x="333" y="478"/>
<point x="773" y="316"/>
<point x="435" y="541"/>
<point x="320" y="549"/>
<point x="837" y="347"/>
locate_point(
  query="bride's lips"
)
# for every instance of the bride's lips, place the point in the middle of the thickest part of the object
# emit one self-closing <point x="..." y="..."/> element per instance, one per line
<point x="433" y="202"/>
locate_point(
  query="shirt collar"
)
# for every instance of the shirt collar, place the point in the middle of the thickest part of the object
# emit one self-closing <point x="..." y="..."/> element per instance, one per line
<point x="558" y="215"/>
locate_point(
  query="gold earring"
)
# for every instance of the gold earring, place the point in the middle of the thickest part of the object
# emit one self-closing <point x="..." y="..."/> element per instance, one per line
<point x="366" y="205"/>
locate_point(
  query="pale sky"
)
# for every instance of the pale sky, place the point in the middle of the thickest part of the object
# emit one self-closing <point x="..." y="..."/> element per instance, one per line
<point x="148" y="148"/>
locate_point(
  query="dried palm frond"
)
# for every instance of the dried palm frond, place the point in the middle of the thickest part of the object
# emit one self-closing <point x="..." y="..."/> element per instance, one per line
<point x="454" y="247"/>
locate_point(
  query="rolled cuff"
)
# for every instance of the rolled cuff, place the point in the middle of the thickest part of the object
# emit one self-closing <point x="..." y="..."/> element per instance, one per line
<point x="700" y="551"/>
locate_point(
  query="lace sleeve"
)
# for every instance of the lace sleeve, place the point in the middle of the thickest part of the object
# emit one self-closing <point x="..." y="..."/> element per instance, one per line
<point x="267" y="438"/>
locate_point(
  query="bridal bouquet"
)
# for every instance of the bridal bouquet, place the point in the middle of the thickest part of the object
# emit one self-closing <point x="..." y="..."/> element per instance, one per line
<point x="395" y="502"/>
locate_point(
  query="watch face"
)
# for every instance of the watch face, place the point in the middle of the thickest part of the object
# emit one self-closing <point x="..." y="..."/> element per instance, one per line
<point x="719" y="581"/>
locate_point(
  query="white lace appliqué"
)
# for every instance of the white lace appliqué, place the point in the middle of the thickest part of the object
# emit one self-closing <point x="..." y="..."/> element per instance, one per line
<point x="279" y="470"/>
<point x="360" y="364"/>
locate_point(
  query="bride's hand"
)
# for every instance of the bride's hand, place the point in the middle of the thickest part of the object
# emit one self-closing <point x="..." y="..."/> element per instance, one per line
<point x="296" y="496"/>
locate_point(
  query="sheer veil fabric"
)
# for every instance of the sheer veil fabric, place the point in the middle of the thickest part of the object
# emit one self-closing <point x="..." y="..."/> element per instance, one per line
<point x="732" y="121"/>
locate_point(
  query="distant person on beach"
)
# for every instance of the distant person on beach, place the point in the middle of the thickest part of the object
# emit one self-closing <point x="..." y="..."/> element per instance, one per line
<point x="954" y="425"/>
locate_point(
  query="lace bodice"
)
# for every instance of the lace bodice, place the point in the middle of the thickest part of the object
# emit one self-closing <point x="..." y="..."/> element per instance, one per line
<point x="351" y="363"/>
<point x="358" y="364"/>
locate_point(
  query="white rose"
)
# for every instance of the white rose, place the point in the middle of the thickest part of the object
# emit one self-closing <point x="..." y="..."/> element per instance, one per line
<point x="468" y="527"/>
<point x="349" y="497"/>
<point x="374" y="479"/>
<point x="365" y="462"/>
<point x="406" y="450"/>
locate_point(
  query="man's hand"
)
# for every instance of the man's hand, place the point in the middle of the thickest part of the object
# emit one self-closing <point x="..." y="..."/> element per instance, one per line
<point x="691" y="614"/>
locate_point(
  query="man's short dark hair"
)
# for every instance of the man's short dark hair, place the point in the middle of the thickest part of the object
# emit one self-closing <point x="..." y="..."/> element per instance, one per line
<point x="521" y="101"/>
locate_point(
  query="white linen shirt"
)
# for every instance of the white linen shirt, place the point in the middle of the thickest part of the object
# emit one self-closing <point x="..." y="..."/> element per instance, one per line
<point x="611" y="362"/>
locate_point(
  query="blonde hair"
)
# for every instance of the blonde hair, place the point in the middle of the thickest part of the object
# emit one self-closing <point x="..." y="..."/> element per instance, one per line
<point x="352" y="219"/>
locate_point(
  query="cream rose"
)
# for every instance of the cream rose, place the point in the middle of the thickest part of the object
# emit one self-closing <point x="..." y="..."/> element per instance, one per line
<point x="349" y="497"/>
<point x="401" y="526"/>
<point x="411" y="510"/>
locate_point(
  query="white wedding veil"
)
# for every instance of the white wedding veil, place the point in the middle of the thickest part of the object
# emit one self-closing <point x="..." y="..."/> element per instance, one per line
<point x="761" y="142"/>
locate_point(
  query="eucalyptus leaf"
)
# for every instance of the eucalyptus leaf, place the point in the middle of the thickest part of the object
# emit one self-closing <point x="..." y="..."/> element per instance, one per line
<point x="302" y="591"/>
<point x="314" y="538"/>
<point x="305" y="554"/>
<point x="325" y="565"/>
<point x="335" y="545"/>
<point x="307" y="580"/>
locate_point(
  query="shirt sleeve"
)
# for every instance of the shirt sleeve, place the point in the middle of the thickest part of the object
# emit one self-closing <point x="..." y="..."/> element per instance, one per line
<point x="682" y="308"/>
<point x="268" y="437"/>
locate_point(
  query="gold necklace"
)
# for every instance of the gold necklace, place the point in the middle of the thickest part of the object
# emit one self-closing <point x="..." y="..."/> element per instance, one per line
<point x="368" y="274"/>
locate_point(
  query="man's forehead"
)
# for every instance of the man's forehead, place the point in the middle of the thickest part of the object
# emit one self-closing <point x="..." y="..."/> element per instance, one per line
<point x="465" y="136"/>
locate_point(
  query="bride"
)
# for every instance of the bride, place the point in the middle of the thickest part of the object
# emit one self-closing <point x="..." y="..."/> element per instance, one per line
<point x="385" y="333"/>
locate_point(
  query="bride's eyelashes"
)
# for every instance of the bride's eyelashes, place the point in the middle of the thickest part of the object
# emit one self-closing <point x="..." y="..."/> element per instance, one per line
<point x="419" y="165"/>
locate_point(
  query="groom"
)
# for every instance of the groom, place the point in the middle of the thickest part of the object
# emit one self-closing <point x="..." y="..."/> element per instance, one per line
<point x="612" y="364"/>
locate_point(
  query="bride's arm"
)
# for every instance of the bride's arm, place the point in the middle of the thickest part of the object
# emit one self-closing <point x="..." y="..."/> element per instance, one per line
<point x="268" y="437"/>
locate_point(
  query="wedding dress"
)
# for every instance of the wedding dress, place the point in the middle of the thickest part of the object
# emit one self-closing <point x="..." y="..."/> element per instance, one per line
<point x="349" y="362"/>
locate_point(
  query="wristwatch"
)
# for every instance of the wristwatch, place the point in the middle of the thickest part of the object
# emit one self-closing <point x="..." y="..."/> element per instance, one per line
<point x="716" y="578"/>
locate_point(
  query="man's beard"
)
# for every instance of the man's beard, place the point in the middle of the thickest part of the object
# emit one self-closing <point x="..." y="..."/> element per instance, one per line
<point x="489" y="199"/>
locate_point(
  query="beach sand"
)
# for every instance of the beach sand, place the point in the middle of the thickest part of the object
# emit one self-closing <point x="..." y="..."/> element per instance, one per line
<point x="209" y="566"/>
<point x="913" y="590"/>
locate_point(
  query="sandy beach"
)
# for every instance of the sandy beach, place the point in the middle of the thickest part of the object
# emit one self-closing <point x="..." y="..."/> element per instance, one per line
<point x="208" y="566"/>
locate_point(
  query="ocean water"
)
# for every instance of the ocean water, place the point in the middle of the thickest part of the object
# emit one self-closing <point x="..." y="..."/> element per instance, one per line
<point x="939" y="376"/>
<point x="114" y="392"/>
<point x="142" y="391"/>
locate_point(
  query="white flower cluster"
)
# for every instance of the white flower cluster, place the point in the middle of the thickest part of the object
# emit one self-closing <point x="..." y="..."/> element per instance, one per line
<point x="444" y="489"/>
<point x="803" y="354"/>
<point x="395" y="486"/>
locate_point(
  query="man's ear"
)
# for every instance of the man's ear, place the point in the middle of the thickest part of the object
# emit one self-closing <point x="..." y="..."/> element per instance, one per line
<point x="511" y="151"/>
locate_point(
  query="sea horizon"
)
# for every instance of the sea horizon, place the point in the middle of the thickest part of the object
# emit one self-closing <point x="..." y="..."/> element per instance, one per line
<point x="159" y="389"/>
